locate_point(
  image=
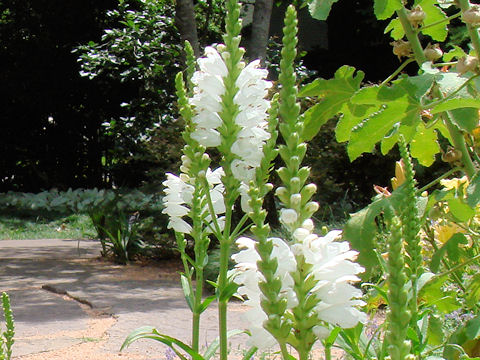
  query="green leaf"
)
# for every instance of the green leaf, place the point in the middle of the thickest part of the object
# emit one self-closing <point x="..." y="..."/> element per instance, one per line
<point x="456" y="52"/>
<point x="213" y="347"/>
<point x="205" y="303"/>
<point x="320" y="9"/>
<point x="228" y="291"/>
<point x="399" y="104"/>
<point x="434" y="15"/>
<point x="187" y="292"/>
<point x="334" y="93"/>
<point x="462" y="211"/>
<point x="472" y="292"/>
<point x="385" y="8"/>
<point x="473" y="191"/>
<point x="466" y="119"/>
<point x="149" y="332"/>
<point x="434" y="294"/>
<point x="396" y="29"/>
<point x="450" y="248"/>
<point x="424" y="145"/>
<point x="435" y="333"/>
<point x="352" y="115"/>
<point x="465" y="336"/>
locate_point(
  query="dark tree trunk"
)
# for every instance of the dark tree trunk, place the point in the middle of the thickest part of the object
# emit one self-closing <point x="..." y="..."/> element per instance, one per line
<point x="260" y="30"/>
<point x="187" y="26"/>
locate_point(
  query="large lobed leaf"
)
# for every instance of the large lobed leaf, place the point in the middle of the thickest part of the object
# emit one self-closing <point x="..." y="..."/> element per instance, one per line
<point x="320" y="9"/>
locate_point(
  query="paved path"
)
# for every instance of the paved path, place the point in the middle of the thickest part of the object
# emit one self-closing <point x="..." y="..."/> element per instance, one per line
<point x="63" y="297"/>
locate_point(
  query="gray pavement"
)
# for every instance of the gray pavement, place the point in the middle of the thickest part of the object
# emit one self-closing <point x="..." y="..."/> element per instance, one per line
<point x="63" y="295"/>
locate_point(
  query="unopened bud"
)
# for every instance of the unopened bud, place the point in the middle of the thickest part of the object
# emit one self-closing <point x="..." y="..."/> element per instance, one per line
<point x="308" y="225"/>
<point x="312" y="207"/>
<point x="201" y="174"/>
<point x="288" y="216"/>
<point x="281" y="191"/>
<point x="466" y="64"/>
<point x="295" y="199"/>
<point x="472" y="15"/>
<point x="300" y="234"/>
<point x="433" y="52"/>
<point x="416" y="16"/>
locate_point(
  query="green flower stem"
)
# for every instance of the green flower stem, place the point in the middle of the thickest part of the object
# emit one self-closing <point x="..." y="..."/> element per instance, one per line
<point x="396" y="72"/>
<point x="472" y="31"/>
<point x="443" y="21"/>
<point x="398" y="316"/>
<point x="455" y="133"/>
<point x="437" y="180"/>
<point x="411" y="227"/>
<point x="412" y="37"/>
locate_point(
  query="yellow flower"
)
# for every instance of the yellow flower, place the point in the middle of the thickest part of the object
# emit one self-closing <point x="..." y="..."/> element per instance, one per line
<point x="399" y="178"/>
<point x="455" y="183"/>
<point x="443" y="233"/>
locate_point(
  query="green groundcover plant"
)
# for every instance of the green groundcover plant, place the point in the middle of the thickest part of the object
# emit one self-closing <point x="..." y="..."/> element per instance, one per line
<point x="416" y="250"/>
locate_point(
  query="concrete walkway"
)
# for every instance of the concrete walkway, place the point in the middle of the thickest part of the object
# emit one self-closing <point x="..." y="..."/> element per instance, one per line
<point x="63" y="296"/>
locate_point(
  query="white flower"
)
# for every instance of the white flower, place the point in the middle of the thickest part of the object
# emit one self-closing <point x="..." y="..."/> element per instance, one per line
<point x="288" y="216"/>
<point x="179" y="197"/>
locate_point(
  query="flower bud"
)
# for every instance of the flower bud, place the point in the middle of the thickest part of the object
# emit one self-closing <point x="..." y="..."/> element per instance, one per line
<point x="295" y="199"/>
<point x="288" y="216"/>
<point x="185" y="178"/>
<point x="472" y="15"/>
<point x="466" y="64"/>
<point x="451" y="155"/>
<point x="433" y="52"/>
<point x="312" y="207"/>
<point x="300" y="234"/>
<point x="295" y="182"/>
<point x="308" y="225"/>
<point x="201" y="174"/>
<point x="308" y="191"/>
<point x="401" y="48"/>
<point x="268" y="187"/>
<point x="416" y="16"/>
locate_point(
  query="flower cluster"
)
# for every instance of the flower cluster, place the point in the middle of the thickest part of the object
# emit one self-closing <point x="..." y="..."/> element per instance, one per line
<point x="179" y="196"/>
<point x="333" y="269"/>
<point x="251" y="117"/>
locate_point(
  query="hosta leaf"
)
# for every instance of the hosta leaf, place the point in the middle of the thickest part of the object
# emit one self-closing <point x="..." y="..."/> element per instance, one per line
<point x="424" y="145"/>
<point x="320" y="9"/>
<point x="434" y="15"/>
<point x="385" y="8"/>
<point x="333" y="94"/>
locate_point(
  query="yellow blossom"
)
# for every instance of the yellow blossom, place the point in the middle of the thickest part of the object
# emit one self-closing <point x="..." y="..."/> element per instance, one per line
<point x="399" y="178"/>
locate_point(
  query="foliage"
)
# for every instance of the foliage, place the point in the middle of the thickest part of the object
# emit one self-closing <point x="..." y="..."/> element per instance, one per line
<point x="109" y="210"/>
<point x="7" y="336"/>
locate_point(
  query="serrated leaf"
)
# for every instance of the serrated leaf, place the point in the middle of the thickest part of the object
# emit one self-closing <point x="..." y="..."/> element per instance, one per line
<point x="395" y="28"/>
<point x="385" y="8"/>
<point x="320" y="9"/>
<point x="424" y="145"/>
<point x="456" y="52"/>
<point x="334" y="93"/>
<point x="434" y="15"/>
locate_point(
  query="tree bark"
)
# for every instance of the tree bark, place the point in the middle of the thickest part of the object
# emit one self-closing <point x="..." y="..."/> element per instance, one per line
<point x="260" y="30"/>
<point x="186" y="24"/>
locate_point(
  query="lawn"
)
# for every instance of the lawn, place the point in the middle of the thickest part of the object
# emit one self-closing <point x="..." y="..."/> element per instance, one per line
<point x="21" y="225"/>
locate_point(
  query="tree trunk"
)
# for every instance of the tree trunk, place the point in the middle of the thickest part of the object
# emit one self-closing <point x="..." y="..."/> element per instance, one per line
<point x="260" y="30"/>
<point x="186" y="24"/>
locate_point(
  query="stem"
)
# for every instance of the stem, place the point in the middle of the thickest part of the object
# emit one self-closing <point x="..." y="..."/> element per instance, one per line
<point x="437" y="180"/>
<point x="196" y="307"/>
<point x="328" y="352"/>
<point x="454" y="16"/>
<point x="400" y="68"/>
<point x="412" y="37"/>
<point x="472" y="31"/>
<point x="223" y="300"/>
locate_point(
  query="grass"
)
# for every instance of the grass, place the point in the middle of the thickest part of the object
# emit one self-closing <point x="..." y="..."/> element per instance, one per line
<point x="18" y="226"/>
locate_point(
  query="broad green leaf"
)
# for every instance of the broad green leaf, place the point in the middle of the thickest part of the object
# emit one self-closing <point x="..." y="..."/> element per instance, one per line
<point x="334" y="93"/>
<point x="320" y="9"/>
<point x="385" y="8"/>
<point x="433" y="293"/>
<point x="462" y="211"/>
<point x="435" y="333"/>
<point x="434" y="15"/>
<point x="464" y="113"/>
<point x="389" y="141"/>
<point x="424" y="145"/>
<point x="352" y="115"/>
<point x="396" y="29"/>
<point x="466" y="336"/>
<point x="473" y="191"/>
